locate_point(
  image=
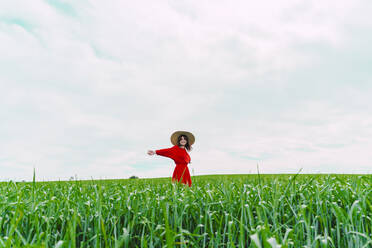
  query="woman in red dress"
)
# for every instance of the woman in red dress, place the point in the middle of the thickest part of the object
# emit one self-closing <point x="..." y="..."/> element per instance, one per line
<point x="182" y="141"/>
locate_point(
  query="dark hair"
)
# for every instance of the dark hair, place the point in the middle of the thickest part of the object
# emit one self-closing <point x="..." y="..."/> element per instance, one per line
<point x="187" y="146"/>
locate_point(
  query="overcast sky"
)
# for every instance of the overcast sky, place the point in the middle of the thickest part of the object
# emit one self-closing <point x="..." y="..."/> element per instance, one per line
<point x="88" y="87"/>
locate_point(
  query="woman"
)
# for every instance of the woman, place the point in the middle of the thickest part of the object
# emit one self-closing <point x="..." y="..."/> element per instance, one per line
<point x="182" y="141"/>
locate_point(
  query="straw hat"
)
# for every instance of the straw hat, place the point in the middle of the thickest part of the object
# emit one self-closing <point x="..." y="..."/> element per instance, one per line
<point x="189" y="135"/>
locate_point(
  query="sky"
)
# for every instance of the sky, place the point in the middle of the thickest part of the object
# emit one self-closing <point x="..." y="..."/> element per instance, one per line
<point x="88" y="87"/>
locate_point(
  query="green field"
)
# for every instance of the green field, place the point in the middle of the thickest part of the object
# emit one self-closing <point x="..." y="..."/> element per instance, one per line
<point x="217" y="211"/>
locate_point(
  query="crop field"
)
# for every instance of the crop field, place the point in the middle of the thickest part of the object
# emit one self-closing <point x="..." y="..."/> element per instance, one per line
<point x="217" y="211"/>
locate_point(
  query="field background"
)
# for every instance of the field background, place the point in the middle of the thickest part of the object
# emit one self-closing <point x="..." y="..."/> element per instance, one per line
<point x="217" y="211"/>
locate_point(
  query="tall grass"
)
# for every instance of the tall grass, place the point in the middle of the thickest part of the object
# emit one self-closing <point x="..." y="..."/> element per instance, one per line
<point x="217" y="211"/>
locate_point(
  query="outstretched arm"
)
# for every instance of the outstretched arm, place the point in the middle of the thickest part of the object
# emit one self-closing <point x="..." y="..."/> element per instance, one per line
<point x="167" y="152"/>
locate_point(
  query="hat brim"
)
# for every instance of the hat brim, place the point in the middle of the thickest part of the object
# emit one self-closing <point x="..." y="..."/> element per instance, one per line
<point x="176" y="134"/>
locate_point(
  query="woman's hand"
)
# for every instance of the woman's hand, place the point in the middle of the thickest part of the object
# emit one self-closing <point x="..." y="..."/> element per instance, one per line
<point x="150" y="152"/>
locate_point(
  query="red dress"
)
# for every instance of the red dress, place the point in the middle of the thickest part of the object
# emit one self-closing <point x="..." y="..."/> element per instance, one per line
<point x="181" y="159"/>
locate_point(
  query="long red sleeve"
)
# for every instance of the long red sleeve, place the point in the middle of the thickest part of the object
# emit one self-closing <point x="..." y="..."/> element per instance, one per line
<point x="168" y="152"/>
